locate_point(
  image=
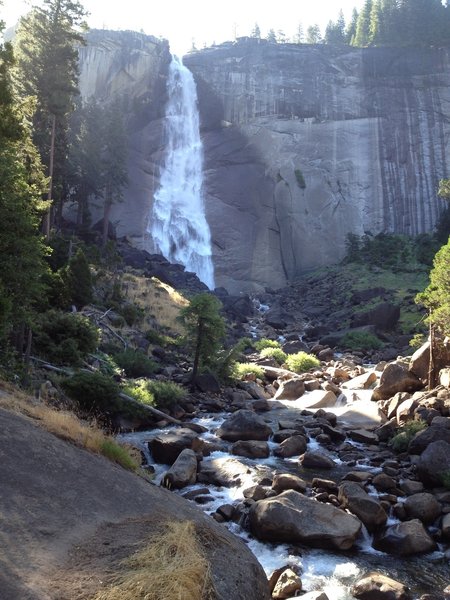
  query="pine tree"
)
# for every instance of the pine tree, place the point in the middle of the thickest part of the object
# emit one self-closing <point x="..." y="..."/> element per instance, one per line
<point x="256" y="32"/>
<point x="47" y="42"/>
<point x="362" y="35"/>
<point x="350" y="32"/>
<point x="299" y="35"/>
<point x="271" y="36"/>
<point x="313" y="35"/>
<point x="335" y="32"/>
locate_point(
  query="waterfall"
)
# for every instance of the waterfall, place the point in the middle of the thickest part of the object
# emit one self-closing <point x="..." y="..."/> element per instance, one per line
<point x="178" y="224"/>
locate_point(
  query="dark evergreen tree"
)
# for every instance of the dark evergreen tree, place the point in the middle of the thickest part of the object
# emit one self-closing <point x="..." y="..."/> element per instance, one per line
<point x="47" y="41"/>
<point x="335" y="31"/>
<point x="256" y="32"/>
<point x="79" y="280"/>
<point x="313" y="35"/>
<point x="362" y="34"/>
<point x="271" y="36"/>
<point x="350" y="32"/>
<point x="299" y="36"/>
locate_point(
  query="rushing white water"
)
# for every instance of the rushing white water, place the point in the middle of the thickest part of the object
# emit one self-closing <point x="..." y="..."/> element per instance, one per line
<point x="178" y="224"/>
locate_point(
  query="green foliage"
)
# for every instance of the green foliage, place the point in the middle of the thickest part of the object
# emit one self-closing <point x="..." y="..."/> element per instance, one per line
<point x="436" y="297"/>
<point x="140" y="391"/>
<point x="79" y="280"/>
<point x="132" y="313"/>
<point x="165" y="393"/>
<point x="300" y="179"/>
<point x="226" y="358"/>
<point x="417" y="340"/>
<point x="302" y="362"/>
<point x="276" y="353"/>
<point x="205" y="329"/>
<point x="400" y="441"/>
<point x="160" y="339"/>
<point x="135" y="363"/>
<point x="94" y="392"/>
<point x="64" y="338"/>
<point x="266" y="343"/>
<point x="241" y="370"/>
<point x="361" y="340"/>
<point x="118" y="454"/>
<point x="389" y="251"/>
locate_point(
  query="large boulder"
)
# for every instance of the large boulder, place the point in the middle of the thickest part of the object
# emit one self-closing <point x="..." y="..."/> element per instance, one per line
<point x="226" y="472"/>
<point x="384" y="317"/>
<point x="250" y="449"/>
<point x="244" y="425"/>
<point x="316" y="460"/>
<point x="368" y="510"/>
<point x="293" y="446"/>
<point x="285" y="481"/>
<point x="434" y="462"/>
<point x="423" y="506"/>
<point x="290" y="390"/>
<point x="183" y="472"/>
<point x="396" y="378"/>
<point x="319" y="399"/>
<point x="404" y="539"/>
<point x="167" y="446"/>
<point x="376" y="586"/>
<point x="424" y="438"/>
<point x="294" y="518"/>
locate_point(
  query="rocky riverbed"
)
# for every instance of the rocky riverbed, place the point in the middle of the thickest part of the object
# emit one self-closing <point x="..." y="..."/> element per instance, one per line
<point x="304" y="469"/>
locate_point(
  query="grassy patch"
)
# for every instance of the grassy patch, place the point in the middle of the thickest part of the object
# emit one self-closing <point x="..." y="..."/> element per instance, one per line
<point x="117" y="453"/>
<point x="266" y="343"/>
<point x="300" y="362"/>
<point x="170" y="567"/>
<point x="400" y="441"/>
<point x="360" y="340"/>
<point x="242" y="370"/>
<point x="140" y="391"/>
<point x="276" y="353"/>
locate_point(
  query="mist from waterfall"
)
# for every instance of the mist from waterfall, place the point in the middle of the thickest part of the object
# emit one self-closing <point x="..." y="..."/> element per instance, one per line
<point x="178" y="224"/>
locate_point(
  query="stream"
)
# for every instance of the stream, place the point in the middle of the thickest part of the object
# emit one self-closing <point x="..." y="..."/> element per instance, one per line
<point x="324" y="570"/>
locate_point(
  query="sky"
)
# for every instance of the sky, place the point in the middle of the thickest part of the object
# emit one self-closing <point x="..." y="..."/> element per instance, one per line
<point x="204" y="21"/>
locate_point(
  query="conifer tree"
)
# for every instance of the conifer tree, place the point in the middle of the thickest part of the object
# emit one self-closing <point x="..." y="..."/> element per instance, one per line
<point x="362" y="35"/>
<point x="47" y="41"/>
<point x="313" y="35"/>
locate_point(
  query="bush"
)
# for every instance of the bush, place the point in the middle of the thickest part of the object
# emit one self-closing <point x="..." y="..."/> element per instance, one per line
<point x="139" y="390"/>
<point x="241" y="370"/>
<point x="266" y="343"/>
<point x="154" y="337"/>
<point x="131" y="313"/>
<point x="300" y="179"/>
<point x="79" y="280"/>
<point x="65" y="338"/>
<point x="400" y="442"/>
<point x="135" y="363"/>
<point x="93" y="392"/>
<point x="226" y="358"/>
<point x="361" y="340"/>
<point x="165" y="393"/>
<point x="417" y="340"/>
<point x="301" y="362"/>
<point x="276" y="353"/>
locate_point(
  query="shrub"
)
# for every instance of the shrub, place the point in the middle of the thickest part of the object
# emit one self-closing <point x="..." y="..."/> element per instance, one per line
<point x="417" y="340"/>
<point x="154" y="337"/>
<point x="139" y="390"/>
<point x="166" y="393"/>
<point x="361" y="340"/>
<point x="226" y="358"/>
<point x="65" y="338"/>
<point x="131" y="313"/>
<point x="241" y="370"/>
<point x="276" y="353"/>
<point x="301" y="362"/>
<point x="266" y="343"/>
<point x="135" y="363"/>
<point x="93" y="392"/>
<point x="79" y="280"/>
<point x="400" y="441"/>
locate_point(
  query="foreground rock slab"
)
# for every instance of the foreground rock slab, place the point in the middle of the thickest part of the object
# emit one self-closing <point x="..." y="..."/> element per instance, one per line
<point x="292" y="517"/>
<point x="375" y="586"/>
<point x="404" y="539"/>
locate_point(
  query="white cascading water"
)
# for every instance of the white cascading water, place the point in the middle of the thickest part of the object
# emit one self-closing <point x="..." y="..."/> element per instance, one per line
<point x="178" y="224"/>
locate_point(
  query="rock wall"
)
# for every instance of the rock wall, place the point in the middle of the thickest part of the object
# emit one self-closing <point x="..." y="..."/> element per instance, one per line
<point x="303" y="144"/>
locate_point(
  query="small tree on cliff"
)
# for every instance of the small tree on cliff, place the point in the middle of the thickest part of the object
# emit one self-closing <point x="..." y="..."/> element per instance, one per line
<point x="205" y="330"/>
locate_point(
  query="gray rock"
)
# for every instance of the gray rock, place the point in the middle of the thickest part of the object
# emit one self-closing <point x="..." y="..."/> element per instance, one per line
<point x="376" y="586"/>
<point x="424" y="438"/>
<point x="434" y="462"/>
<point x="250" y="449"/>
<point x="423" y="506"/>
<point x="183" y="472"/>
<point x="316" y="460"/>
<point x="368" y="510"/>
<point x="404" y="539"/>
<point x="222" y="471"/>
<point x="395" y="378"/>
<point x="287" y="481"/>
<point x="244" y="425"/>
<point x="293" y="446"/>
<point x="292" y="517"/>
<point x="290" y="390"/>
<point x="166" y="447"/>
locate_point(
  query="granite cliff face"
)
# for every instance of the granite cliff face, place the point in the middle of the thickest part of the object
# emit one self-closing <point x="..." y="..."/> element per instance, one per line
<point x="303" y="144"/>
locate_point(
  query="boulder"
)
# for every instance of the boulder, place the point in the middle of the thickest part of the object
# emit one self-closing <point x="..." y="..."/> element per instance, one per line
<point x="319" y="399"/>
<point x="183" y="472"/>
<point x="434" y="462"/>
<point x="404" y="539"/>
<point x="445" y="527"/>
<point x="292" y="446"/>
<point x="423" y="506"/>
<point x="376" y="586"/>
<point x="395" y="378"/>
<point x="222" y="471"/>
<point x="361" y="382"/>
<point x="419" y="362"/>
<point x="444" y="377"/>
<point x="294" y="518"/>
<point x="290" y="390"/>
<point x="363" y="436"/>
<point x="294" y="346"/>
<point x="316" y="460"/>
<point x="244" y="425"/>
<point x="287" y="585"/>
<point x="405" y="410"/>
<point x="384" y="317"/>
<point x="368" y="510"/>
<point x="250" y="449"/>
<point x="208" y="383"/>
<point x="424" y="438"/>
<point x="167" y="446"/>
<point x="286" y="481"/>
